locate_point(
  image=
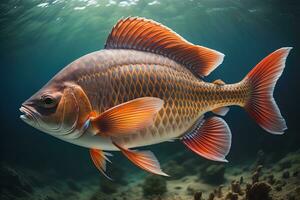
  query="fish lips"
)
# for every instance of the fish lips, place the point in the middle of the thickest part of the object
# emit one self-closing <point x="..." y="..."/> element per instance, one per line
<point x="28" y="116"/>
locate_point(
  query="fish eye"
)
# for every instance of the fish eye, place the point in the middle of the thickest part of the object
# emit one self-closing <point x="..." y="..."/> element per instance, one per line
<point x="48" y="102"/>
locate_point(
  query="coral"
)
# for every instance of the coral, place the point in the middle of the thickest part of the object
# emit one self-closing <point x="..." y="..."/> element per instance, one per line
<point x="154" y="185"/>
<point x="213" y="174"/>
<point x="231" y="196"/>
<point x="256" y="174"/>
<point x="219" y="191"/>
<point x="236" y="187"/>
<point x="259" y="191"/>
<point x="211" y="196"/>
<point x="198" y="196"/>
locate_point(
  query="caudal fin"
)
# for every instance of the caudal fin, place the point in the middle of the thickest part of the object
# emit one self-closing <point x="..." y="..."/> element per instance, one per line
<point x="262" y="79"/>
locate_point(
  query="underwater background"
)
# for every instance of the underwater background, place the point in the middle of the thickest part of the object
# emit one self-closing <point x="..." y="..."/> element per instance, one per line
<point x="38" y="38"/>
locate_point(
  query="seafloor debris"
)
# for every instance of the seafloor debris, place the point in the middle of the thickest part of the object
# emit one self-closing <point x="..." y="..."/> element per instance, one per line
<point x="275" y="181"/>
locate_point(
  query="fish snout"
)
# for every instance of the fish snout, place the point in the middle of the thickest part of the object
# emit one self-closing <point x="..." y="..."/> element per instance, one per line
<point x="28" y="115"/>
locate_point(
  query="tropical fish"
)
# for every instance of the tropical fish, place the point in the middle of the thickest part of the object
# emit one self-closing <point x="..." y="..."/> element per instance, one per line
<point x="146" y="87"/>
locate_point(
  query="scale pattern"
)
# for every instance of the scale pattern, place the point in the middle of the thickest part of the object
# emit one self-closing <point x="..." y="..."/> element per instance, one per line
<point x="186" y="98"/>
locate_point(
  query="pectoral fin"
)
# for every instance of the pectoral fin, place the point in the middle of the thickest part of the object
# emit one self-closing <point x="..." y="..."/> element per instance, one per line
<point x="146" y="160"/>
<point x="127" y="117"/>
<point x="99" y="158"/>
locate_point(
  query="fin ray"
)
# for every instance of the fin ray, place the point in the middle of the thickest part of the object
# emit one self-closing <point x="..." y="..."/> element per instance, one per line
<point x="127" y="117"/>
<point x="146" y="160"/>
<point x="262" y="79"/>
<point x="211" y="139"/>
<point x="99" y="159"/>
<point x="147" y="35"/>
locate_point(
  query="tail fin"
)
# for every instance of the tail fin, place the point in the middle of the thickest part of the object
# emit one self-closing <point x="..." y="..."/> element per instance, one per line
<point x="262" y="79"/>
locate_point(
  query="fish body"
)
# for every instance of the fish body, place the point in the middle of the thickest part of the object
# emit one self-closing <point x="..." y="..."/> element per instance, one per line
<point x="147" y="87"/>
<point x="112" y="77"/>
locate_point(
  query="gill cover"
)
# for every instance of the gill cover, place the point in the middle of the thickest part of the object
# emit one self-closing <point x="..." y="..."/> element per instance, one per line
<point x="73" y="108"/>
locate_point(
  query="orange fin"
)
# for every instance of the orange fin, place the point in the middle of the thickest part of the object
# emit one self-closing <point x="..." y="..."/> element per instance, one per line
<point x="222" y="111"/>
<point x="147" y="35"/>
<point x="262" y="78"/>
<point x="127" y="117"/>
<point x="146" y="160"/>
<point x="210" y="138"/>
<point x="219" y="82"/>
<point x="99" y="158"/>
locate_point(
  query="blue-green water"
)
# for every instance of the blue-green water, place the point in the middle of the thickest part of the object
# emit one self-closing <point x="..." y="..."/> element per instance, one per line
<point x="38" y="38"/>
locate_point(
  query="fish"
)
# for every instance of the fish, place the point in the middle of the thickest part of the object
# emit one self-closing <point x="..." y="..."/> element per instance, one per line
<point x="147" y="86"/>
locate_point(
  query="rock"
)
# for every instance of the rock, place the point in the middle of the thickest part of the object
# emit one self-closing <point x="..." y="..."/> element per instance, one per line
<point x="213" y="174"/>
<point x="258" y="191"/>
<point x="154" y="185"/>
<point x="286" y="174"/>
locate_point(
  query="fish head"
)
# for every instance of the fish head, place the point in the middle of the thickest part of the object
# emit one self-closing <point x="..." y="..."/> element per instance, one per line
<point x="56" y="109"/>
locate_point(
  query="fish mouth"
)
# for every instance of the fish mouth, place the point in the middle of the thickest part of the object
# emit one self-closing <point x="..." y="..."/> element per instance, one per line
<point x="28" y="115"/>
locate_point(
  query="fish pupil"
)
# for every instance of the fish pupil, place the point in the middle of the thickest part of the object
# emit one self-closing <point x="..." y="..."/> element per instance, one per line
<point x="48" y="100"/>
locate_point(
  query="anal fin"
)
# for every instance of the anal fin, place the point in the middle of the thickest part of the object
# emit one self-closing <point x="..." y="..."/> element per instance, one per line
<point x="146" y="160"/>
<point x="99" y="158"/>
<point x="210" y="138"/>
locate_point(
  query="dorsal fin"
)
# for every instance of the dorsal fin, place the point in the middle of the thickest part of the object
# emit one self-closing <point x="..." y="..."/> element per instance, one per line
<point x="147" y="35"/>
